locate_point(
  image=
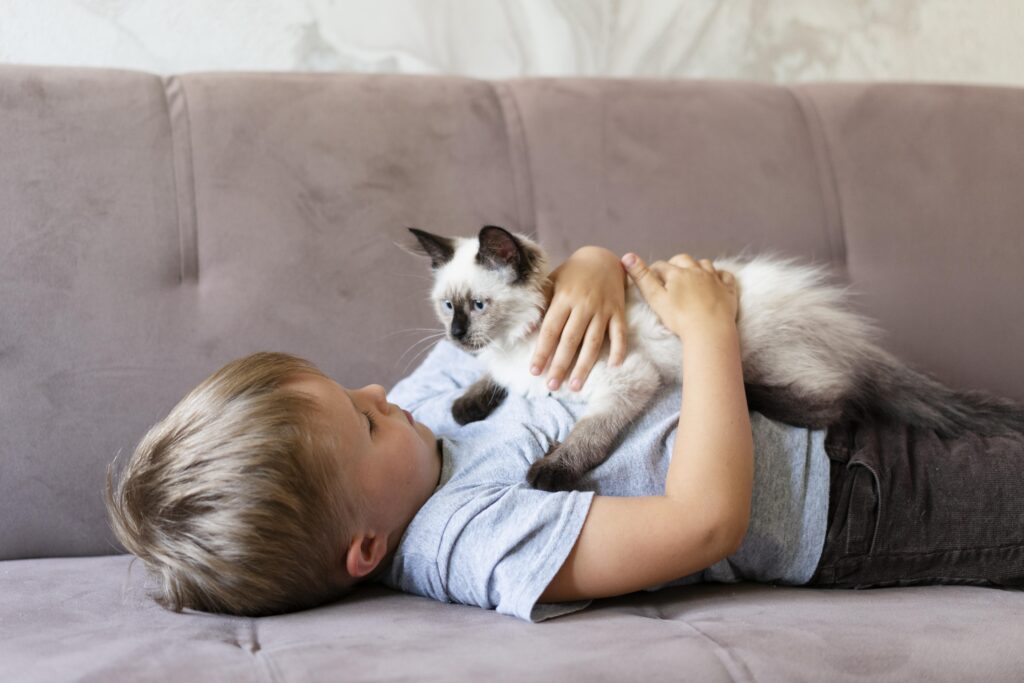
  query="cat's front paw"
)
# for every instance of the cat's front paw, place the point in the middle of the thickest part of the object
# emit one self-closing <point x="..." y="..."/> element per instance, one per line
<point x="551" y="473"/>
<point x="470" y="408"/>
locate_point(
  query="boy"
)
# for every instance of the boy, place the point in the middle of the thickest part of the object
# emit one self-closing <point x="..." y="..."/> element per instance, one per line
<point x="271" y="488"/>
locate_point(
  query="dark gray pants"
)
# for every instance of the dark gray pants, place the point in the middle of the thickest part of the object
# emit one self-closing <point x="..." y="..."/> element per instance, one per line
<point x="908" y="508"/>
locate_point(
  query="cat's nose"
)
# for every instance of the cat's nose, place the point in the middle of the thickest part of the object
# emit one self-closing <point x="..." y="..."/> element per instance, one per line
<point x="458" y="329"/>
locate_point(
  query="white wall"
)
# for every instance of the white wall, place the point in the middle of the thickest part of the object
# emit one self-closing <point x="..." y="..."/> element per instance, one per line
<point x="766" y="40"/>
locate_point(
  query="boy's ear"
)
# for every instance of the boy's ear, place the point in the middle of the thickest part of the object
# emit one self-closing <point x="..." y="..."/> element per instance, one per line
<point x="365" y="552"/>
<point x="439" y="249"/>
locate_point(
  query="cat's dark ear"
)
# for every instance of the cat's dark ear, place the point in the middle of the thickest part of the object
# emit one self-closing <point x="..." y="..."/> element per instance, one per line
<point x="501" y="249"/>
<point x="439" y="249"/>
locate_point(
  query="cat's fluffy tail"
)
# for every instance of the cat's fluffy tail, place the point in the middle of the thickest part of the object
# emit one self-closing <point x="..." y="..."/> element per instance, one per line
<point x="810" y="359"/>
<point x="890" y="389"/>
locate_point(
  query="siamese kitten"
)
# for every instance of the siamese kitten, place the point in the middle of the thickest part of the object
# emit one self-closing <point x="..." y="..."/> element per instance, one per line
<point x="807" y="359"/>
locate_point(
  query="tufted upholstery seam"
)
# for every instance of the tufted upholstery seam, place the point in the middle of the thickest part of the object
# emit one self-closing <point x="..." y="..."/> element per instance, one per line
<point x="247" y="639"/>
<point x="184" y="178"/>
<point x="735" y="667"/>
<point x="828" y="186"/>
<point x="270" y="669"/>
<point x="519" y="159"/>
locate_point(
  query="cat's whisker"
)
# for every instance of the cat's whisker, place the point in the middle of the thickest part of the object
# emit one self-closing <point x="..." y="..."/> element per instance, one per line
<point x="410" y="330"/>
<point x="408" y="248"/>
<point x="416" y="357"/>
<point x="425" y="340"/>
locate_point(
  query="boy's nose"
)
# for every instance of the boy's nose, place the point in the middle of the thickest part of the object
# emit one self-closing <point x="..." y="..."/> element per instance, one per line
<point x="378" y="393"/>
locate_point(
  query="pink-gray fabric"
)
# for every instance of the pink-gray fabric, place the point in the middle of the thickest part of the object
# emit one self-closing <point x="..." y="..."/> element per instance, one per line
<point x="153" y="229"/>
<point x="85" y="619"/>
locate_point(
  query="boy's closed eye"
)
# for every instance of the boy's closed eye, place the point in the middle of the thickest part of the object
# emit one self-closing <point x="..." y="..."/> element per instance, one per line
<point x="371" y="425"/>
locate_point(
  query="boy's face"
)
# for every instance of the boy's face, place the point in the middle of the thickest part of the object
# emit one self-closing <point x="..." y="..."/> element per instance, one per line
<point x="396" y="464"/>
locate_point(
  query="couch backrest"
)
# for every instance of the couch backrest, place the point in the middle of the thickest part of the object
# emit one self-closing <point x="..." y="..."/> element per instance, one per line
<point x="153" y="229"/>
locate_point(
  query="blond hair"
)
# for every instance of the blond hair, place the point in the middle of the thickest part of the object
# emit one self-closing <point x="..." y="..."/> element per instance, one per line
<point x="231" y="502"/>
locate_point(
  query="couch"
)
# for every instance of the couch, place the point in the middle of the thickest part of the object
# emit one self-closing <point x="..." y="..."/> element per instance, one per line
<point x="152" y="229"/>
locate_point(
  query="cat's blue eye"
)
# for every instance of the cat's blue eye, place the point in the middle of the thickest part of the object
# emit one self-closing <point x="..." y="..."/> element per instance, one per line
<point x="479" y="305"/>
<point x="448" y="304"/>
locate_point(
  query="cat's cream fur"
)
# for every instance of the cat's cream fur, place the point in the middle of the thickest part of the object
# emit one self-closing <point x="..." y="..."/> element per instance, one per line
<point x="808" y="359"/>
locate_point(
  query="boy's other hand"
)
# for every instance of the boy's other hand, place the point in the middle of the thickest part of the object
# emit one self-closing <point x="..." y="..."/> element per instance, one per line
<point x="589" y="299"/>
<point x="683" y="293"/>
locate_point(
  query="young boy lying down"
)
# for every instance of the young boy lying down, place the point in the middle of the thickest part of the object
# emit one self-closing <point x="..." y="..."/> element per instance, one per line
<point x="271" y="487"/>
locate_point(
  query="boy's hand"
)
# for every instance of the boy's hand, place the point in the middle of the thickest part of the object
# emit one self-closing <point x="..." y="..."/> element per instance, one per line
<point x="683" y="293"/>
<point x="589" y="299"/>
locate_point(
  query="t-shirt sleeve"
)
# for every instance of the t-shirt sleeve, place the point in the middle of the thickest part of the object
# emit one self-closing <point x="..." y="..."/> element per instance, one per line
<point x="501" y="551"/>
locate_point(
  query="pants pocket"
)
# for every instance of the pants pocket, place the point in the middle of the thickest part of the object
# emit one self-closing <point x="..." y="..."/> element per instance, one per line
<point x="865" y="509"/>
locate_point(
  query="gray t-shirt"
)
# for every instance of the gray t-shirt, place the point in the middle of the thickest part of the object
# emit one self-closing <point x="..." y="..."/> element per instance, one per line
<point x="486" y="538"/>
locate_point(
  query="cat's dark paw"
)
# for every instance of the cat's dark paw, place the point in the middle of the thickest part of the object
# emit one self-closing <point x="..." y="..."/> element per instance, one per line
<point x="551" y="473"/>
<point x="470" y="408"/>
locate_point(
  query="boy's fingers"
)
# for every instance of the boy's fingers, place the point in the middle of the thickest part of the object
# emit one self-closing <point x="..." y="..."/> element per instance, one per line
<point x="589" y="351"/>
<point x="727" y="279"/>
<point x="550" y="333"/>
<point x="572" y="335"/>
<point x="646" y="280"/>
<point x="683" y="261"/>
<point x="617" y="332"/>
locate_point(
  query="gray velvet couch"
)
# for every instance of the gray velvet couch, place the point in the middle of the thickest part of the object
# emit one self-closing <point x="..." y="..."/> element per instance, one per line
<point x="153" y="229"/>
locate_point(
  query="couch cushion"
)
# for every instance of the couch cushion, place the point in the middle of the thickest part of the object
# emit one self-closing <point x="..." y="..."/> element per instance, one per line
<point x="928" y="181"/>
<point x="661" y="166"/>
<point x="88" y="619"/>
<point x="91" y="332"/>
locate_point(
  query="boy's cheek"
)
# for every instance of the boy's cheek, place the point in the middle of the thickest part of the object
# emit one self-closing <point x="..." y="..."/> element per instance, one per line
<point x="425" y="433"/>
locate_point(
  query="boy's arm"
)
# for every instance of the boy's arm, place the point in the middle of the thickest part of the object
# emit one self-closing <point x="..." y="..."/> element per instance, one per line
<point x="630" y="543"/>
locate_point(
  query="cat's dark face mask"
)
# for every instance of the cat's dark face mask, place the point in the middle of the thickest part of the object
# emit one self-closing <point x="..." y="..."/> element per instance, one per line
<point x="468" y="321"/>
